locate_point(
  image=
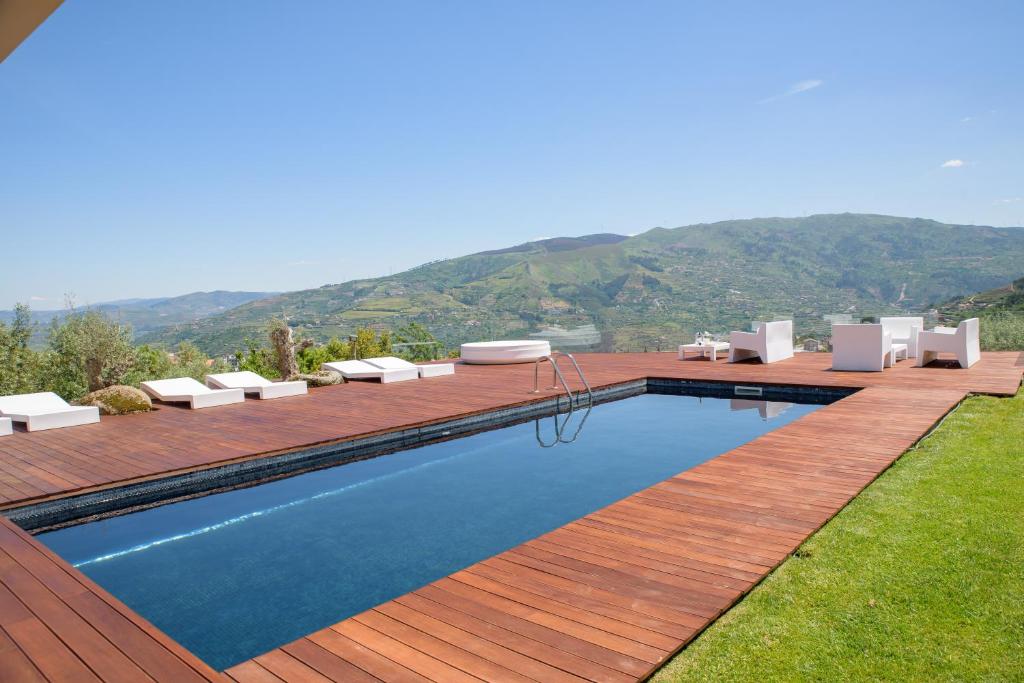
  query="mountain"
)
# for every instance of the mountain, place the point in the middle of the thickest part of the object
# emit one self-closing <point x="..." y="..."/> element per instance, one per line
<point x="1006" y="299"/>
<point x="653" y="289"/>
<point x="147" y="316"/>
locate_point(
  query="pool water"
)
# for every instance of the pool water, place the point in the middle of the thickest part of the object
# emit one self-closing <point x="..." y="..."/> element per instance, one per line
<point x="235" y="574"/>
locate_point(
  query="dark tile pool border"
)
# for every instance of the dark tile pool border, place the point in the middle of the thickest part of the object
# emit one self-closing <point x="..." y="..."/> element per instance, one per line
<point x="85" y="507"/>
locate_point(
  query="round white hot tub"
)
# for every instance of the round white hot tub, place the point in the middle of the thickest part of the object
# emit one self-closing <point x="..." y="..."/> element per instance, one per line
<point x="503" y="352"/>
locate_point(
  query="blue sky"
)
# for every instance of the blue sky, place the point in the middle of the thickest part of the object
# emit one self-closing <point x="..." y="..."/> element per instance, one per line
<point x="151" y="149"/>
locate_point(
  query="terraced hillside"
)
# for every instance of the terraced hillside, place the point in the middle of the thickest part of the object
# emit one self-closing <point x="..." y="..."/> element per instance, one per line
<point x="657" y="287"/>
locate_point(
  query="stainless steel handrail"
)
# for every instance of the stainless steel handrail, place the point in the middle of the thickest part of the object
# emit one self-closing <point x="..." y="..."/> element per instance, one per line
<point x="590" y="393"/>
<point x="557" y="376"/>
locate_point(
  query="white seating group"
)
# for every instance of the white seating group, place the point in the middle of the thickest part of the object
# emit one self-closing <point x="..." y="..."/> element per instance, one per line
<point x="874" y="347"/>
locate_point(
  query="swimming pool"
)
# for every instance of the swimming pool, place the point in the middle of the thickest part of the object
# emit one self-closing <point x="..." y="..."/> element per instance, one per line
<point x="235" y="574"/>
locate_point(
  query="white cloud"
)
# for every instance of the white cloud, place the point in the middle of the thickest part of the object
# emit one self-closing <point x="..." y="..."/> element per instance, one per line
<point x="296" y="264"/>
<point x="35" y="297"/>
<point x="1010" y="200"/>
<point x="953" y="163"/>
<point x="796" y="88"/>
<point x="539" y="239"/>
<point x="967" y="119"/>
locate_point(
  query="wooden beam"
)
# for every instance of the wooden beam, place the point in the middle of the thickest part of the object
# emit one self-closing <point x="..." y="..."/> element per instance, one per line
<point x="18" y="18"/>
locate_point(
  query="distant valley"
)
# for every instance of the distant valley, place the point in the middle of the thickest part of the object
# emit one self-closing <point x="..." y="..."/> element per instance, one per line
<point x="625" y="293"/>
<point x="148" y="316"/>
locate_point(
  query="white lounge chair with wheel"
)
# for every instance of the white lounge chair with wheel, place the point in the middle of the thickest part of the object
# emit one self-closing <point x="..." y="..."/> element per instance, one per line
<point x="251" y="383"/>
<point x="191" y="391"/>
<point x="361" y="370"/>
<point x="771" y="343"/>
<point x="864" y="348"/>
<point x="45" y="410"/>
<point x="425" y="370"/>
<point x="962" y="341"/>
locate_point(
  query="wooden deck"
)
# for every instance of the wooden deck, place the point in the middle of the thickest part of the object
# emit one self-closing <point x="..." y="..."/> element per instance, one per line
<point x="607" y="597"/>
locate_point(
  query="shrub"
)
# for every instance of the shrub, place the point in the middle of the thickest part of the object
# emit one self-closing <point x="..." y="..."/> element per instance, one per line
<point x="1002" y="332"/>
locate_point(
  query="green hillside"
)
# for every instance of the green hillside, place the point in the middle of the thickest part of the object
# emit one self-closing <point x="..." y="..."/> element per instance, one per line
<point x="655" y="288"/>
<point x="1006" y="299"/>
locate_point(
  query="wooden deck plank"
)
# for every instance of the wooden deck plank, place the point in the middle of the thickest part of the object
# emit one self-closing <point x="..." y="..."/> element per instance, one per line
<point x="607" y="597"/>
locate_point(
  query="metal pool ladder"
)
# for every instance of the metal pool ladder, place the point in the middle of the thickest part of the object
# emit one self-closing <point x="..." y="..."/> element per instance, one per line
<point x="557" y="377"/>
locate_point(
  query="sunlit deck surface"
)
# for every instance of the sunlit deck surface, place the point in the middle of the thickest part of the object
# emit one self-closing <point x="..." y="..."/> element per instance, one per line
<point x="608" y="597"/>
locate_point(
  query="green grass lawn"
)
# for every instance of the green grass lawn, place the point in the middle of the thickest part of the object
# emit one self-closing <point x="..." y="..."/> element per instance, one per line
<point x="921" y="577"/>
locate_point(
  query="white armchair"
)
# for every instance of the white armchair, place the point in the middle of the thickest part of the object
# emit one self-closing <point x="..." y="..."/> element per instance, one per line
<point x="962" y="341"/>
<point x="772" y="342"/>
<point x="904" y="331"/>
<point x="861" y="348"/>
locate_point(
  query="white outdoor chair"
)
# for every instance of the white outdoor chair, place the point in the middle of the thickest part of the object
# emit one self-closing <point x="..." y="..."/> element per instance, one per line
<point x="766" y="409"/>
<point x="251" y="383"/>
<point x="191" y="391"/>
<point x="430" y="370"/>
<point x="46" y="410"/>
<point x="6" y="426"/>
<point x="772" y="342"/>
<point x="863" y="348"/>
<point x="962" y="340"/>
<point x="904" y="331"/>
<point x="360" y="369"/>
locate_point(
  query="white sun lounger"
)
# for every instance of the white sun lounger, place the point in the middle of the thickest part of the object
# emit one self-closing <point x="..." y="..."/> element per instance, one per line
<point x="360" y="369"/>
<point x="5" y="426"/>
<point x="251" y="383"/>
<point x="188" y="390"/>
<point x="46" y="410"/>
<point x="432" y="370"/>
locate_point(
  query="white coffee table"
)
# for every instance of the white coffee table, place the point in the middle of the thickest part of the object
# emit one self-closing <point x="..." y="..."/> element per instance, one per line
<point x="899" y="352"/>
<point x="711" y="349"/>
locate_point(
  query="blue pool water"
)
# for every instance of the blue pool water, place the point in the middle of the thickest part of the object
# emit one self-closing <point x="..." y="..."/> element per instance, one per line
<point x="235" y="574"/>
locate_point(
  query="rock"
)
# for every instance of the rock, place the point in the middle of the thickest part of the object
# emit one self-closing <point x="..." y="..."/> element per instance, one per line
<point x="118" y="400"/>
<point x="322" y="378"/>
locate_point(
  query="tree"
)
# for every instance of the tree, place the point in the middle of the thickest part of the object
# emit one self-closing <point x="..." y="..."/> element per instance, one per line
<point x="283" y="348"/>
<point x="87" y="351"/>
<point x="19" y="365"/>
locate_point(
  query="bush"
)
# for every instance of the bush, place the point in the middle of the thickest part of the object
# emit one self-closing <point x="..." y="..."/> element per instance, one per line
<point x="187" y="361"/>
<point x="311" y="357"/>
<point x="1002" y="332"/>
<point x="258" y="359"/>
<point x="422" y="345"/>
